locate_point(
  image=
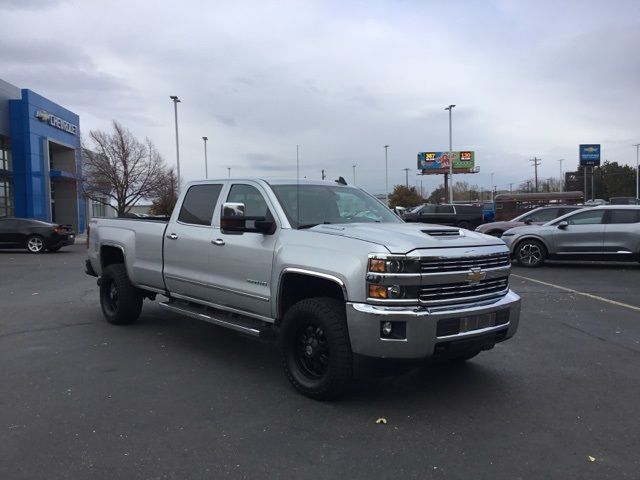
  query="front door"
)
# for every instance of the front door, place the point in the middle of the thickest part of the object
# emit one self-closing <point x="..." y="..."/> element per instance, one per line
<point x="241" y="263"/>
<point x="584" y="233"/>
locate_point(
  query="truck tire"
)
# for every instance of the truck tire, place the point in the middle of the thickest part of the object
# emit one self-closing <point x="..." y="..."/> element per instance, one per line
<point x="121" y="302"/>
<point x="315" y="348"/>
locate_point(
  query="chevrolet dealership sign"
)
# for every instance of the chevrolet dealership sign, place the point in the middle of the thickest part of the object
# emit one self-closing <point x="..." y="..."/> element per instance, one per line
<point x="590" y="154"/>
<point x="57" y="122"/>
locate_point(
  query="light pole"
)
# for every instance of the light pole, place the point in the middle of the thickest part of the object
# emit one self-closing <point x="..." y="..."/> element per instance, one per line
<point x="354" y="174"/>
<point x="206" y="167"/>
<point x="492" y="187"/>
<point x="450" y="108"/>
<point x="561" y="179"/>
<point x="637" y="145"/>
<point x="386" y="176"/>
<point x="176" y="100"/>
<point x="228" y="172"/>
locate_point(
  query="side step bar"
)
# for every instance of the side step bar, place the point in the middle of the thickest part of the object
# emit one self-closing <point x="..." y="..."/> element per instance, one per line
<point x="239" y="323"/>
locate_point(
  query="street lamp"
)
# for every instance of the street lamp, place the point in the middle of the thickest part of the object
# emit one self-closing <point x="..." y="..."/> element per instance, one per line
<point x="206" y="167"/>
<point x="229" y="172"/>
<point x="561" y="179"/>
<point x="386" y="175"/>
<point x="450" y="108"/>
<point x="637" y="145"/>
<point x="176" y="100"/>
<point x="354" y="174"/>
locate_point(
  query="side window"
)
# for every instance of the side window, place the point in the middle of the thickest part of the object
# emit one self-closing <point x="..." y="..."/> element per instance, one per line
<point x="543" y="215"/>
<point x="591" y="217"/>
<point x="624" y="216"/>
<point x="428" y="209"/>
<point x="199" y="204"/>
<point x="444" y="209"/>
<point x="254" y="203"/>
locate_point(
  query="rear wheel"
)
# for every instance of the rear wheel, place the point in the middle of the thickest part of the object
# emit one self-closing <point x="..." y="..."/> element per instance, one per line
<point x="121" y="302"/>
<point x="35" y="244"/>
<point x="531" y="253"/>
<point x="315" y="348"/>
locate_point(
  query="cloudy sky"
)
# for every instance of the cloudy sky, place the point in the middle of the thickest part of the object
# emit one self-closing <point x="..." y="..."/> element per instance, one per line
<point x="341" y="79"/>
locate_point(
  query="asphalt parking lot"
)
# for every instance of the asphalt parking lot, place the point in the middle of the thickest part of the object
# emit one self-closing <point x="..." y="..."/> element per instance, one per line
<point x="171" y="397"/>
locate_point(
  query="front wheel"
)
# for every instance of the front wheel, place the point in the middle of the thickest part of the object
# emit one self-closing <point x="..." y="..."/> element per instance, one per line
<point x="35" y="244"/>
<point x="315" y="348"/>
<point x="121" y="302"/>
<point x="531" y="253"/>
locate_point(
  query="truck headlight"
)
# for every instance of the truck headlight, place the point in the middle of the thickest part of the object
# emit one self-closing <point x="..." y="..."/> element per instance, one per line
<point x="394" y="265"/>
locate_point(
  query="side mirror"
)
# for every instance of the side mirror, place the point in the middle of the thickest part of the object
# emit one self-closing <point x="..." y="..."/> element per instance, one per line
<point x="563" y="224"/>
<point x="528" y="221"/>
<point x="234" y="220"/>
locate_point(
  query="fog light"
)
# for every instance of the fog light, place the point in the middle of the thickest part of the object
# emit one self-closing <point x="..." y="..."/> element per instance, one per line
<point x="387" y="327"/>
<point x="394" y="291"/>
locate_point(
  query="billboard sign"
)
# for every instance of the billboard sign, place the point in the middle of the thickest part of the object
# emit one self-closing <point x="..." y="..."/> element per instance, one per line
<point x="590" y="154"/>
<point x="438" y="162"/>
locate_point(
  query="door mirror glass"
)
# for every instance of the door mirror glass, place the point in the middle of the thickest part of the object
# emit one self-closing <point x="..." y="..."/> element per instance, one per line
<point x="563" y="224"/>
<point x="234" y="220"/>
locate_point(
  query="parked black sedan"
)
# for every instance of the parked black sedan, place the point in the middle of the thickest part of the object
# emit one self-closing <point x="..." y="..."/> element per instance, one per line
<point x="34" y="235"/>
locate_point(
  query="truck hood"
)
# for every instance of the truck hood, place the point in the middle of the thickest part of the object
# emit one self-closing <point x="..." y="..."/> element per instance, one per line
<point x="402" y="238"/>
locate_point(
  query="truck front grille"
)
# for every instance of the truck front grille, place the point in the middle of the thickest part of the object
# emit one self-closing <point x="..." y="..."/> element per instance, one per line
<point x="435" y="265"/>
<point x="463" y="291"/>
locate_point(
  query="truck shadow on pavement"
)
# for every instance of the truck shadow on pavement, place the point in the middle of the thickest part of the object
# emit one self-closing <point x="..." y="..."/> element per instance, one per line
<point x="239" y="360"/>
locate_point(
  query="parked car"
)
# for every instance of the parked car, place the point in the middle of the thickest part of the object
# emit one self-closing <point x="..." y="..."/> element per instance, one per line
<point x="537" y="216"/>
<point x="34" y="235"/>
<point x="605" y="232"/>
<point x="463" y="216"/>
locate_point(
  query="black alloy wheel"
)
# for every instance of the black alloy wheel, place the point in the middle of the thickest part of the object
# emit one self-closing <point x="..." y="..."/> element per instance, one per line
<point x="315" y="348"/>
<point x="121" y="302"/>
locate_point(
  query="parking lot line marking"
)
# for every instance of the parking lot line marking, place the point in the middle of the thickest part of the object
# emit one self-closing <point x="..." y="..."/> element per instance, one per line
<point x="571" y="290"/>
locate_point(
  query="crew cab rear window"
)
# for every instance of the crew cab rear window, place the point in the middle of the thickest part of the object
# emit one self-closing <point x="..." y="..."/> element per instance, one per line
<point x="199" y="204"/>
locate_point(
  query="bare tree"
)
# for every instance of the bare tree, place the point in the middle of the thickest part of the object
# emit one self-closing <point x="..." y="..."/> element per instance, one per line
<point x="119" y="168"/>
<point x="166" y="196"/>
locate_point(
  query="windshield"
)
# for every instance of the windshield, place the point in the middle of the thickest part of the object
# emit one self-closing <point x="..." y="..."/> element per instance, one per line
<point x="310" y="205"/>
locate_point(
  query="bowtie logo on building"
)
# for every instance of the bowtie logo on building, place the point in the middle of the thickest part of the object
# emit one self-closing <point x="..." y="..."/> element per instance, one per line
<point x="43" y="116"/>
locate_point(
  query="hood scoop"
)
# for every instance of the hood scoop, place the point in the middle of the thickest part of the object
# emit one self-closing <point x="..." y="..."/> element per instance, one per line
<point x="444" y="232"/>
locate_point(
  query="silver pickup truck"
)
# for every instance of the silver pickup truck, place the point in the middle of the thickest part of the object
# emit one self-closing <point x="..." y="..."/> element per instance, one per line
<point x="323" y="268"/>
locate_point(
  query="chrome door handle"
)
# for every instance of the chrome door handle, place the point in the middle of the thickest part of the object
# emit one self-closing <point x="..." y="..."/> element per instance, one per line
<point x="172" y="236"/>
<point x="218" y="242"/>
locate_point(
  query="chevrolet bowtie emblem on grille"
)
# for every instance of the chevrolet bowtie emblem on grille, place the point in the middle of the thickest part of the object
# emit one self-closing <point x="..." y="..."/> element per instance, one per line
<point x="476" y="275"/>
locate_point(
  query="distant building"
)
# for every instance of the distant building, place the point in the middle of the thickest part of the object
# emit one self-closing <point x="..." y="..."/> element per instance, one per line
<point x="40" y="159"/>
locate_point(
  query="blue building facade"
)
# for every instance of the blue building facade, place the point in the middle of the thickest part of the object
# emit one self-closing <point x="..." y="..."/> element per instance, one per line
<point x="43" y="173"/>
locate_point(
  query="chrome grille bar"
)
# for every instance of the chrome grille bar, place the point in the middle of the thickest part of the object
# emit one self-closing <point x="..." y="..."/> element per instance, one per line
<point x="435" y="265"/>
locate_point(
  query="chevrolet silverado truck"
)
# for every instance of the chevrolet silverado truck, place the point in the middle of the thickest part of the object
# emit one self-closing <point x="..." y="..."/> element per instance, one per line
<point x="324" y="269"/>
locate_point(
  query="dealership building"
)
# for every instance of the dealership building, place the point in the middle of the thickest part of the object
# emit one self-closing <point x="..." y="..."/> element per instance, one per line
<point x="40" y="159"/>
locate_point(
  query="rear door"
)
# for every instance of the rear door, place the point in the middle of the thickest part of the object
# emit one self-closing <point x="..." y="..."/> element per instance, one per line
<point x="187" y="244"/>
<point x="445" y="215"/>
<point x="622" y="231"/>
<point x="584" y="234"/>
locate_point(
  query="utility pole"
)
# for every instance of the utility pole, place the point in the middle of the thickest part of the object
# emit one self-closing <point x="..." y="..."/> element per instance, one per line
<point x="406" y="171"/>
<point x="561" y="179"/>
<point x="536" y="161"/>
<point x="323" y="174"/>
<point x="354" y="174"/>
<point x="511" y="188"/>
<point x="492" y="187"/>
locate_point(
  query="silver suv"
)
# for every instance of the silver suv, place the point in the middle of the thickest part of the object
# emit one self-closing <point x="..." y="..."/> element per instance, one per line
<point x="608" y="232"/>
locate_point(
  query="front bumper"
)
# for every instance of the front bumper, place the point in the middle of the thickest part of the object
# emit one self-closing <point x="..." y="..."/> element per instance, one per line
<point x="420" y="325"/>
